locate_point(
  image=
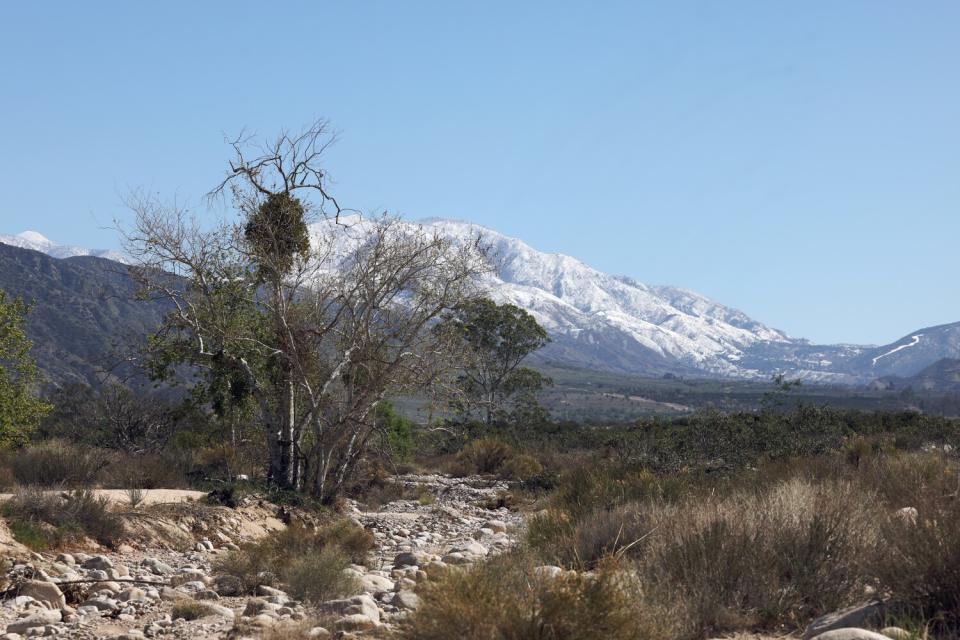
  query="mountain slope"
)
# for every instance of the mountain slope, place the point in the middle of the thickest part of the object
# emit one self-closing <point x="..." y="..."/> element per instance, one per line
<point x="596" y="320"/>
<point x="37" y="242"/>
<point x="84" y="319"/>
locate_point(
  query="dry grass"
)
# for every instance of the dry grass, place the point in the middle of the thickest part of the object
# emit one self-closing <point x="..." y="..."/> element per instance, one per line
<point x="190" y="610"/>
<point x="310" y="562"/>
<point x="775" y="549"/>
<point x="48" y="519"/>
<point x="506" y="598"/>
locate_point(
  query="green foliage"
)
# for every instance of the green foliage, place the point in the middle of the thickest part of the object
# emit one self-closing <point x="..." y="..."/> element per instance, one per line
<point x="20" y="409"/>
<point x="498" y="338"/>
<point x="321" y="576"/>
<point x="398" y="431"/>
<point x="277" y="234"/>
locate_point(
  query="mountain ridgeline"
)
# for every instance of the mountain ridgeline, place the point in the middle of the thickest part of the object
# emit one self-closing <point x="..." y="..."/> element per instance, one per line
<point x="86" y="318"/>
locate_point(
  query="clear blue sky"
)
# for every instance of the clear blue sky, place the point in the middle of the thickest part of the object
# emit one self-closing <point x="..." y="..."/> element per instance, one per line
<point x="797" y="160"/>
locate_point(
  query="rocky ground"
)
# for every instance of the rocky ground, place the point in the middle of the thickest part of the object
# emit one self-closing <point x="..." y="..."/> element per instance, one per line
<point x="164" y="569"/>
<point x="132" y="591"/>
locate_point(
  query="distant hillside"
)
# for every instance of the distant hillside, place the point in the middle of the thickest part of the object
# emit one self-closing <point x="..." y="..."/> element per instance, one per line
<point x="85" y="318"/>
<point x="943" y="376"/>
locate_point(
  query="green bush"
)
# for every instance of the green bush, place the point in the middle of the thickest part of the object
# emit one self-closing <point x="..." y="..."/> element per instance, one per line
<point x="321" y="576"/>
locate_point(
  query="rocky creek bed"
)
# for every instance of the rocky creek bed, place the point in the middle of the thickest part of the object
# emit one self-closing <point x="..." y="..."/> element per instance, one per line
<point x="130" y="592"/>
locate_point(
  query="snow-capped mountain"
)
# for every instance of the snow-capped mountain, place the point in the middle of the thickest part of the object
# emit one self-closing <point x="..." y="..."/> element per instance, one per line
<point x="38" y="242"/>
<point x="614" y="323"/>
<point x="600" y="320"/>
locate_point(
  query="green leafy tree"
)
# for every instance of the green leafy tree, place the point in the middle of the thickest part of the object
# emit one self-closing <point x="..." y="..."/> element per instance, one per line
<point x="498" y="338"/>
<point x="20" y="408"/>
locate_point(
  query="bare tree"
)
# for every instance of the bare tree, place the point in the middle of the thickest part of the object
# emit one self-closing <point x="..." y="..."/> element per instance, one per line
<point x="316" y="325"/>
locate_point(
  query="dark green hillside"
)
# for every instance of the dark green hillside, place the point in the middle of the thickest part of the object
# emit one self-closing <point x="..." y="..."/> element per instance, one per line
<point x="85" y="318"/>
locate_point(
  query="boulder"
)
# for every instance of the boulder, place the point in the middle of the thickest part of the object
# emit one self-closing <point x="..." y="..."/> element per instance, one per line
<point x="100" y="563"/>
<point x="372" y="583"/>
<point x="362" y="604"/>
<point x="45" y="592"/>
<point x="852" y="633"/>
<point x="355" y="622"/>
<point x="40" y="618"/>
<point x="405" y="600"/>
<point x="862" y="615"/>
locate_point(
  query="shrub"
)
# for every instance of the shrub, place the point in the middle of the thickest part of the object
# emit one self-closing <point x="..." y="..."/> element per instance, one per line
<point x="507" y="598"/>
<point x="190" y="609"/>
<point x="321" y="576"/>
<point x="135" y="496"/>
<point x="56" y="464"/>
<point x="284" y="556"/>
<point x="485" y="455"/>
<point x="62" y="518"/>
<point x="521" y="466"/>
<point x="918" y="562"/>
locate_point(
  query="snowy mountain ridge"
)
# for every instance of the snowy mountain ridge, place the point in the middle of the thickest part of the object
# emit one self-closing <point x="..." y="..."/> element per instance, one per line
<point x="616" y="323"/>
<point x="38" y="242"/>
<point x="599" y="319"/>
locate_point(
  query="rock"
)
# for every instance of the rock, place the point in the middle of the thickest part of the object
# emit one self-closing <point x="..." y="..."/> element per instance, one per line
<point x="548" y="571"/>
<point x="405" y="600"/>
<point x="45" y="592"/>
<point x="907" y="515"/>
<point x="869" y="614"/>
<point x="222" y="611"/>
<point x="228" y="585"/>
<point x="851" y="633"/>
<point x="264" y="590"/>
<point x="319" y="633"/>
<point x="132" y="593"/>
<point x="101" y="563"/>
<point x="66" y="559"/>
<point x="372" y="583"/>
<point x="355" y="622"/>
<point x="40" y="618"/>
<point x="896" y="633"/>
<point x="408" y="559"/>
<point x="362" y="604"/>
<point x="156" y="567"/>
<point x="102" y="604"/>
<point x="497" y="526"/>
<point x="455" y="558"/>
<point x="131" y="634"/>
